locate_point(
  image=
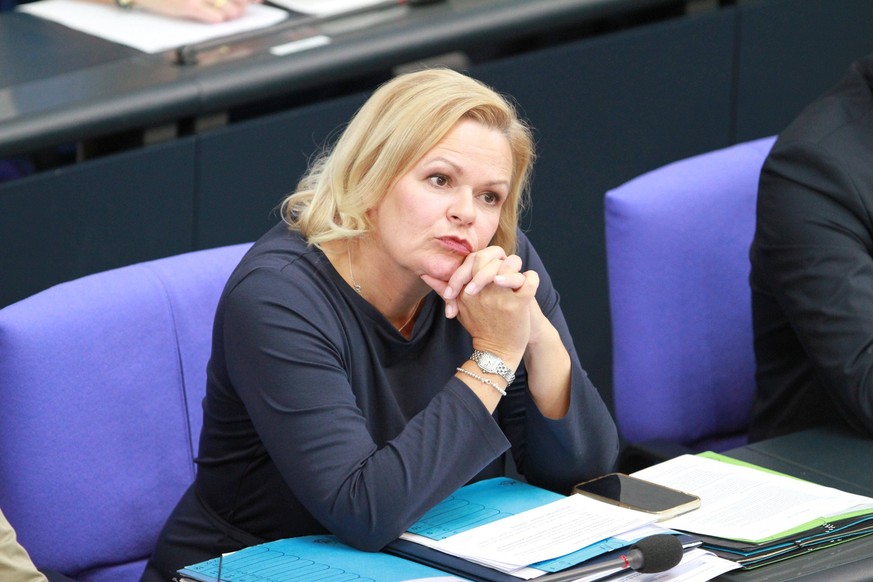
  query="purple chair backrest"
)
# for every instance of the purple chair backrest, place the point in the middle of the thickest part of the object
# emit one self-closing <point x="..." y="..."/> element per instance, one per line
<point x="101" y="383"/>
<point x="677" y="242"/>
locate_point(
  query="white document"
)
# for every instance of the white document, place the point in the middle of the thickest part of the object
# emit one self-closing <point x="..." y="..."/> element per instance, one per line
<point x="549" y="531"/>
<point x="742" y="503"/>
<point x="326" y="7"/>
<point x="143" y="30"/>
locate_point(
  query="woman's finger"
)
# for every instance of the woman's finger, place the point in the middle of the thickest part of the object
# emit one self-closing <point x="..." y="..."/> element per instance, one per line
<point x="471" y="265"/>
<point x="509" y="275"/>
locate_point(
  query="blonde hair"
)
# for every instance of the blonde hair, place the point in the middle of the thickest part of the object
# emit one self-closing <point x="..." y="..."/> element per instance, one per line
<point x="403" y="120"/>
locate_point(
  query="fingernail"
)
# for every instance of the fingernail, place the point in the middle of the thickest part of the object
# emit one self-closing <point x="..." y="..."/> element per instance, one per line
<point x="448" y="293"/>
<point x="499" y="279"/>
<point x="471" y="288"/>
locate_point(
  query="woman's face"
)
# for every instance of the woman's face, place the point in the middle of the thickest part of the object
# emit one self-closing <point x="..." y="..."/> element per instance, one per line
<point x="448" y="205"/>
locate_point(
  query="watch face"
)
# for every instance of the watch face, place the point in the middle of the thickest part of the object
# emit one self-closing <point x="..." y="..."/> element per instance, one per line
<point x="488" y="362"/>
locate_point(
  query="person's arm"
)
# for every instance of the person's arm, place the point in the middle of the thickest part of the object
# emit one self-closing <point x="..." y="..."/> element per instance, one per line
<point x="291" y="360"/>
<point x="556" y="450"/>
<point x="814" y="250"/>
<point x="559" y="426"/>
<point x="211" y="11"/>
<point x="15" y="563"/>
<point x="548" y="366"/>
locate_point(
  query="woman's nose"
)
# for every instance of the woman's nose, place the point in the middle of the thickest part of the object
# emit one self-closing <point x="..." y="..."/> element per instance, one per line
<point x="463" y="208"/>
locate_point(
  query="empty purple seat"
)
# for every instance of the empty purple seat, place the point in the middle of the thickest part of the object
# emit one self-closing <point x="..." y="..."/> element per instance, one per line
<point x="677" y="242"/>
<point x="101" y="383"/>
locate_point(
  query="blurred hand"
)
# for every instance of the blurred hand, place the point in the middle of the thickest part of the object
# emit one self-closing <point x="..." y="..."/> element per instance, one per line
<point x="211" y="11"/>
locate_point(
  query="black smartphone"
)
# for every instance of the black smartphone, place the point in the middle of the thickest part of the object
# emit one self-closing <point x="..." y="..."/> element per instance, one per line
<point x="631" y="492"/>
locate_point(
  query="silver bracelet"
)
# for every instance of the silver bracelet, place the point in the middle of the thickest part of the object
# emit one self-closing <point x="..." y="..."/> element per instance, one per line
<point x="483" y="380"/>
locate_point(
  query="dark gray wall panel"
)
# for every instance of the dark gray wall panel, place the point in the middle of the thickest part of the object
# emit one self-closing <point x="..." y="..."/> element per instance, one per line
<point x="246" y="170"/>
<point x="95" y="216"/>
<point x="791" y="51"/>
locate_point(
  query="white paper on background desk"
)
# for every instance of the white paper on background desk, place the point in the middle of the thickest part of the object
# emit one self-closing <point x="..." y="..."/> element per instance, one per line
<point x="742" y="503"/>
<point x="549" y="531"/>
<point x="142" y="30"/>
<point x="325" y="7"/>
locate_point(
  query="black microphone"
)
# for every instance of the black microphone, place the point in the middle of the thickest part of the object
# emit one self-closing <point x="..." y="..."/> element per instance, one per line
<point x="657" y="553"/>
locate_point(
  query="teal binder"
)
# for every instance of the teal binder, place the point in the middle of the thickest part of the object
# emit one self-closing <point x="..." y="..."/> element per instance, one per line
<point x="323" y="558"/>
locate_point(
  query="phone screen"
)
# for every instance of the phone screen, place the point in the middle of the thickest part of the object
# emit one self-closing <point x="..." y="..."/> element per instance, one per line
<point x="636" y="493"/>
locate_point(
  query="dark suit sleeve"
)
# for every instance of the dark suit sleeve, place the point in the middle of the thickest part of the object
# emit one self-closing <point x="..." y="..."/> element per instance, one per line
<point x="813" y="248"/>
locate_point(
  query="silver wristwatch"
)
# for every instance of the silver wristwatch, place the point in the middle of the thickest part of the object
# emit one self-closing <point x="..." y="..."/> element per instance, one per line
<point x="492" y="364"/>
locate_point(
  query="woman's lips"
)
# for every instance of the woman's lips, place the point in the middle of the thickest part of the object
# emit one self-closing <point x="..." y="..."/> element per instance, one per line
<point x="456" y="245"/>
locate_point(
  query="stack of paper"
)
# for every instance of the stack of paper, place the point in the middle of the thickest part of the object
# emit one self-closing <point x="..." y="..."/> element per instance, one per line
<point x="545" y="533"/>
<point x="147" y="31"/>
<point x="756" y="517"/>
<point x="518" y="531"/>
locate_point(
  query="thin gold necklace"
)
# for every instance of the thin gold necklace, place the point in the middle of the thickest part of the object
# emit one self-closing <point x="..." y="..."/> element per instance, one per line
<point x="414" y="311"/>
<point x="357" y="288"/>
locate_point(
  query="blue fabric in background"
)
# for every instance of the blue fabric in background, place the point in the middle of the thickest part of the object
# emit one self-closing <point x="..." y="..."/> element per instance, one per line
<point x="7" y="5"/>
<point x="14" y="167"/>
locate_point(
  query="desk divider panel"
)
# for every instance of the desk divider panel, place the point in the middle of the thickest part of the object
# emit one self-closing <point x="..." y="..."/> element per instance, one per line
<point x="247" y="169"/>
<point x="790" y="52"/>
<point x="94" y="216"/>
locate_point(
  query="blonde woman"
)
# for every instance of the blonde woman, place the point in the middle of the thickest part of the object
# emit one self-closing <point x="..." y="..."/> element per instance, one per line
<point x="389" y="341"/>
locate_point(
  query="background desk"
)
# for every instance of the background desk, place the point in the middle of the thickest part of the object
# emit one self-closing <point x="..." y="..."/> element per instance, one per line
<point x="83" y="87"/>
<point x="831" y="457"/>
<point x="613" y="88"/>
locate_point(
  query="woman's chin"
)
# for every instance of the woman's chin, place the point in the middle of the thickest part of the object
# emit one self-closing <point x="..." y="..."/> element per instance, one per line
<point x="444" y="270"/>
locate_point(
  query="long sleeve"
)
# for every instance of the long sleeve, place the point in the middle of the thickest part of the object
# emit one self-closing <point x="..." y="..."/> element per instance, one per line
<point x="812" y="266"/>
<point x="813" y="259"/>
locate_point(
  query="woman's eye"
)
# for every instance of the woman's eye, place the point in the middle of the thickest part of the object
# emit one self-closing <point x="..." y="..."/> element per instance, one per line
<point x="491" y="198"/>
<point x="439" y="180"/>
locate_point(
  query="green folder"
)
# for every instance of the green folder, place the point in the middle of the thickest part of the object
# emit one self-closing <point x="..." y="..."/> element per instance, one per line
<point x="813" y="535"/>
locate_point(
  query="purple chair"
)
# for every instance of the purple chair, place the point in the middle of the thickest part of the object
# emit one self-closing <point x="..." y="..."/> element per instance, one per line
<point x="677" y="242"/>
<point x="101" y="382"/>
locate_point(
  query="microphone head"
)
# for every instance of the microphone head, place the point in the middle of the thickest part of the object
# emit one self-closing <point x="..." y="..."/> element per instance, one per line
<point x="660" y="552"/>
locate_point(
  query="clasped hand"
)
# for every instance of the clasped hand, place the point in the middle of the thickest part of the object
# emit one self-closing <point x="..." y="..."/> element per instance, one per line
<point x="493" y="299"/>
